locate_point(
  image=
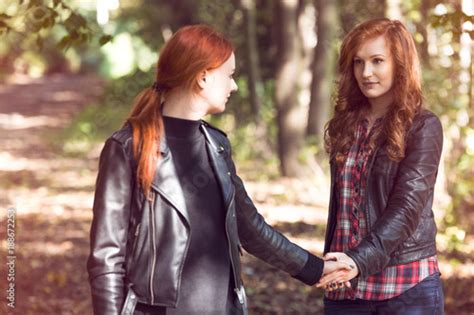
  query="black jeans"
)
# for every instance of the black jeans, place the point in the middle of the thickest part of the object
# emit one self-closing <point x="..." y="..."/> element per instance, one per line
<point x="425" y="298"/>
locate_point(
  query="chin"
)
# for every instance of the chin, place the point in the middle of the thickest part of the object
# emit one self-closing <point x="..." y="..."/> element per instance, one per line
<point x="217" y="109"/>
<point x="372" y="95"/>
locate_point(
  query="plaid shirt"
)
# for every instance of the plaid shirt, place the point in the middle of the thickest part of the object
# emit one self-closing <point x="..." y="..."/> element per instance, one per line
<point x="351" y="228"/>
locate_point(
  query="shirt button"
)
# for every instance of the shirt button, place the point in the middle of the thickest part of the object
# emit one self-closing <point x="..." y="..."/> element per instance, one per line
<point x="228" y="173"/>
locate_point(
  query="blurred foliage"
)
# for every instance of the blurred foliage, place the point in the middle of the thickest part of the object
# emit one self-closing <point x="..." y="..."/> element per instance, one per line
<point x="447" y="86"/>
<point x="39" y="16"/>
<point x="97" y="121"/>
<point x="41" y="37"/>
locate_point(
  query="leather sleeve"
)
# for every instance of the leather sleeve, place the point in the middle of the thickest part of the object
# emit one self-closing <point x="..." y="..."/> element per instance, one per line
<point x="413" y="185"/>
<point x="263" y="241"/>
<point x="109" y="229"/>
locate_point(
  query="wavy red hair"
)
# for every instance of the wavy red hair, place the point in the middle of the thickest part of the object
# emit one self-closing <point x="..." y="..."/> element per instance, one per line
<point x="351" y="104"/>
<point x="190" y="51"/>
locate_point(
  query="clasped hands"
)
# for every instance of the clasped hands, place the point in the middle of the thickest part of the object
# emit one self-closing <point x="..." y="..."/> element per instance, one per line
<point x="338" y="270"/>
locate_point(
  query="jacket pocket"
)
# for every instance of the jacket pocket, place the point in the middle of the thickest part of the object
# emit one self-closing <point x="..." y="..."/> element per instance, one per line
<point x="139" y="256"/>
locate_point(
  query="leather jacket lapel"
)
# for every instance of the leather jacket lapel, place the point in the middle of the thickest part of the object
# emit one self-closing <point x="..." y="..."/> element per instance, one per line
<point x="166" y="180"/>
<point x="216" y="153"/>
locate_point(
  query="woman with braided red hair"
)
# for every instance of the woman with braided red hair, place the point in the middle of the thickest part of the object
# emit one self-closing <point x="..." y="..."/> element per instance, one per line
<point x="385" y="149"/>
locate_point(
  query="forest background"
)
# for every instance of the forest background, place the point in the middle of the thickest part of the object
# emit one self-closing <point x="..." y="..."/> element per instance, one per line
<point x="69" y="70"/>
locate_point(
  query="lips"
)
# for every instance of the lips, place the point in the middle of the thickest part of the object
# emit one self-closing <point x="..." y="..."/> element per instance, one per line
<point x="369" y="84"/>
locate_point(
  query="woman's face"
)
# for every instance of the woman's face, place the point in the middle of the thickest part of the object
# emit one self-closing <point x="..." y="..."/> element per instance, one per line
<point x="219" y="84"/>
<point x="374" y="71"/>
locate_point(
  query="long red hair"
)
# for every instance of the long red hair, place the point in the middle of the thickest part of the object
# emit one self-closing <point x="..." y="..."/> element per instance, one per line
<point x="190" y="51"/>
<point x="351" y="104"/>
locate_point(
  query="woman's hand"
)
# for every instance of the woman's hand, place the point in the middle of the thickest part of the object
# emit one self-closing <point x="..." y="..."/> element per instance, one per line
<point x="332" y="265"/>
<point x="335" y="278"/>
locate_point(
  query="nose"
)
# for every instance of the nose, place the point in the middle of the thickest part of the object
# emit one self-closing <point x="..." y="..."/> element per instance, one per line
<point x="234" y="86"/>
<point x="367" y="71"/>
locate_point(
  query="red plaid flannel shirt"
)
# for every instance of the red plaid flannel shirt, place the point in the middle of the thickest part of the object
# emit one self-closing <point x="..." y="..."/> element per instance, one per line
<point x="351" y="228"/>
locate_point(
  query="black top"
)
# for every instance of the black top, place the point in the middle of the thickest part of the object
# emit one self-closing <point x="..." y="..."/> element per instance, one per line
<point x="205" y="280"/>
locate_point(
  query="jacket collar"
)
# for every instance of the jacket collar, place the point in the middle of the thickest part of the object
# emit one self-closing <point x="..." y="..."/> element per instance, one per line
<point x="221" y="169"/>
<point x="166" y="181"/>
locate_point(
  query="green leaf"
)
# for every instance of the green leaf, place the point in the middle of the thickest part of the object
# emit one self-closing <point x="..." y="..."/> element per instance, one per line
<point x="73" y="35"/>
<point x="64" y="43"/>
<point x="56" y="2"/>
<point x="74" y="22"/>
<point x="39" y="13"/>
<point x="81" y="20"/>
<point x="104" y="39"/>
<point x="34" y="3"/>
<point x="48" y="23"/>
<point x="65" y="6"/>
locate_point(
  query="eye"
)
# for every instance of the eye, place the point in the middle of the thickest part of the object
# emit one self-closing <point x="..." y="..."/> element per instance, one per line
<point x="378" y="60"/>
<point x="357" y="62"/>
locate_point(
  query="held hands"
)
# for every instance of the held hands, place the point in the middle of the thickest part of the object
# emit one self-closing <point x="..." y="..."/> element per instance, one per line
<point x="338" y="270"/>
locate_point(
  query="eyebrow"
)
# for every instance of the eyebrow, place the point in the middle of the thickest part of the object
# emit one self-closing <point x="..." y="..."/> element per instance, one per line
<point x="376" y="55"/>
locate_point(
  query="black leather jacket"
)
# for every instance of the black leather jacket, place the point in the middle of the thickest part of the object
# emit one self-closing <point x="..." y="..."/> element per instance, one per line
<point x="398" y="201"/>
<point x="138" y="246"/>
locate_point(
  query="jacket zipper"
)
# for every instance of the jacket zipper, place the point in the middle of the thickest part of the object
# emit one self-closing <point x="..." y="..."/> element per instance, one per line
<point x="236" y="283"/>
<point x="236" y="289"/>
<point x="153" y="247"/>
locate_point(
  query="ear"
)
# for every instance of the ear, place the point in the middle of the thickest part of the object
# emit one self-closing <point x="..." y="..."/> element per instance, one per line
<point x="203" y="79"/>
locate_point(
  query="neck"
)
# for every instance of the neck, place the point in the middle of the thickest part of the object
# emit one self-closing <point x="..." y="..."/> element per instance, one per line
<point x="379" y="106"/>
<point x="184" y="105"/>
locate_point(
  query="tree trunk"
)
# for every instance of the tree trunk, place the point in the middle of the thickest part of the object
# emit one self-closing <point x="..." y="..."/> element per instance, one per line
<point x="290" y="126"/>
<point x="322" y="68"/>
<point x="421" y="28"/>
<point x="471" y="93"/>
<point x="254" y="82"/>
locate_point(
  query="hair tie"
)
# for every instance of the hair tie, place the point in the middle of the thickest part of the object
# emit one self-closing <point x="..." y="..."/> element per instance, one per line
<point x="159" y="88"/>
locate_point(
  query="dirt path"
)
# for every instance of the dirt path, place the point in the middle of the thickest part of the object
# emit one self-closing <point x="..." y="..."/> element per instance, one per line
<point x="51" y="195"/>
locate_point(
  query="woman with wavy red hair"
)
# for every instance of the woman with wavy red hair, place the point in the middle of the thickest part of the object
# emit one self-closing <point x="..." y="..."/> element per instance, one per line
<point x="170" y="213"/>
<point x="385" y="149"/>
